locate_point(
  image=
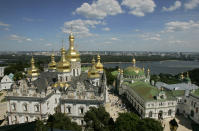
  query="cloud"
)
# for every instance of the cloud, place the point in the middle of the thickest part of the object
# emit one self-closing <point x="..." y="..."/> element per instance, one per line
<point x="106" y="29"/>
<point x="19" y="39"/>
<point x="31" y="19"/>
<point x="114" y="38"/>
<point x="191" y="4"/>
<point x="99" y="9"/>
<point x="80" y="27"/>
<point x="6" y="29"/>
<point x="176" y="5"/>
<point x="139" y="7"/>
<point x="137" y="30"/>
<point x="181" y="26"/>
<point x="48" y="44"/>
<point x="176" y="41"/>
<point x="149" y="36"/>
<point x="4" y="24"/>
<point x="107" y="42"/>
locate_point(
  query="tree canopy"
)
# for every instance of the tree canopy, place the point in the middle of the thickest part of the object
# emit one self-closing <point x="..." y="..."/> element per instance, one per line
<point x="98" y="119"/>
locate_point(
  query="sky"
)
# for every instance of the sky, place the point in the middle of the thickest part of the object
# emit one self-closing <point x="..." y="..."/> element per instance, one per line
<point x="103" y="25"/>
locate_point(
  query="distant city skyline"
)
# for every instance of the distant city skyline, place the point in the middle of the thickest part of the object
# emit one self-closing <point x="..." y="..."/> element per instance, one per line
<point x="114" y="25"/>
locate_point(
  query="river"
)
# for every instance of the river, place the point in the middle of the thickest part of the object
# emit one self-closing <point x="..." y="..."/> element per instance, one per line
<point x="156" y="67"/>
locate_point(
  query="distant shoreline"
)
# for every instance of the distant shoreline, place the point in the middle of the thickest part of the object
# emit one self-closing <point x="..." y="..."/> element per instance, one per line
<point x="138" y="61"/>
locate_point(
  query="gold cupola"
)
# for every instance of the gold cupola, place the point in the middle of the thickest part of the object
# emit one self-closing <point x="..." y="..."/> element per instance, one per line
<point x="93" y="72"/>
<point x="52" y="64"/>
<point x="99" y="66"/>
<point x="33" y="71"/>
<point x="63" y="65"/>
<point x="72" y="55"/>
<point x="134" y="62"/>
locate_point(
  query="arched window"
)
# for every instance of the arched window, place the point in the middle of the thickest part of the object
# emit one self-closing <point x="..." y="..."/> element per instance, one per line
<point x="73" y="72"/>
<point x="26" y="119"/>
<point x="25" y="107"/>
<point x="66" y="78"/>
<point x="77" y="72"/>
<point x="36" y="108"/>
<point x="68" y="109"/>
<point x="81" y="110"/>
<point x="60" y="78"/>
<point x="150" y="114"/>
<point x="13" y="107"/>
<point x="169" y="112"/>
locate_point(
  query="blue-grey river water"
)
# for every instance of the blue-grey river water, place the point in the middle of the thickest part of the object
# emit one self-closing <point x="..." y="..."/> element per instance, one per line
<point x="156" y="67"/>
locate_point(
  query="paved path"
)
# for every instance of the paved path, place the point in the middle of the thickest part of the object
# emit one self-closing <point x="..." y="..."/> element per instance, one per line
<point x="114" y="106"/>
<point x="183" y="124"/>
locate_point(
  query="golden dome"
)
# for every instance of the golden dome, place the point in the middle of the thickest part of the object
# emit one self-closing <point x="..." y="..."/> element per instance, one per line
<point x="134" y="61"/>
<point x="182" y="76"/>
<point x="63" y="65"/>
<point x="52" y="64"/>
<point x="119" y="70"/>
<point x="99" y="65"/>
<point x="93" y="72"/>
<point x="33" y="71"/>
<point x="60" y="84"/>
<point x="148" y="71"/>
<point x="72" y="55"/>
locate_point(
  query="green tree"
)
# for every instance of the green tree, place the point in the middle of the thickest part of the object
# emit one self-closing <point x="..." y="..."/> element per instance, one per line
<point x="126" y="122"/>
<point x="148" y="124"/>
<point x="40" y="126"/>
<point x="98" y="119"/>
<point x="63" y="122"/>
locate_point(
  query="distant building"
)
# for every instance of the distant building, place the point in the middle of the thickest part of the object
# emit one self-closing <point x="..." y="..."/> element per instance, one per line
<point x="2" y="71"/>
<point x="6" y="82"/>
<point x="147" y="100"/>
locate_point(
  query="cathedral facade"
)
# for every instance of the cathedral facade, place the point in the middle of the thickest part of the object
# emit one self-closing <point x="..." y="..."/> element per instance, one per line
<point x="149" y="101"/>
<point x="64" y="87"/>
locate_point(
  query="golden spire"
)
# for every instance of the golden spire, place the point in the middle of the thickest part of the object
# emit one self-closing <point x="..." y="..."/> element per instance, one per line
<point x="63" y="65"/>
<point x="33" y="71"/>
<point x="119" y="70"/>
<point x="122" y="71"/>
<point x="187" y="74"/>
<point x="52" y="64"/>
<point x="72" y="54"/>
<point x="93" y="72"/>
<point x="148" y="72"/>
<point x="99" y="65"/>
<point x="143" y="69"/>
<point x="134" y="62"/>
<point x="182" y="76"/>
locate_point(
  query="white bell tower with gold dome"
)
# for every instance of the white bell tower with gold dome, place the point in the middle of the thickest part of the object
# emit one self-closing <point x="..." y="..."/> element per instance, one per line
<point x="73" y="56"/>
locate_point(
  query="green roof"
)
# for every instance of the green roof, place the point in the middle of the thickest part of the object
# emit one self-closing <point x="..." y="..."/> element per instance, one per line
<point x="86" y="68"/>
<point x="178" y="92"/>
<point x="147" y="91"/>
<point x="133" y="71"/>
<point x="196" y="92"/>
<point x="114" y="73"/>
<point x="144" y="90"/>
